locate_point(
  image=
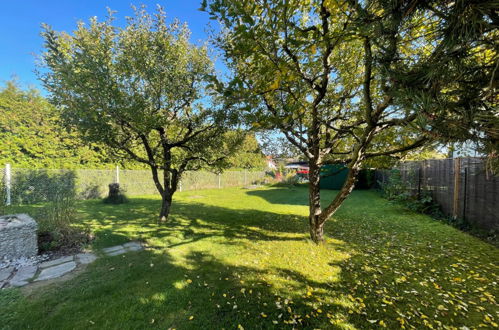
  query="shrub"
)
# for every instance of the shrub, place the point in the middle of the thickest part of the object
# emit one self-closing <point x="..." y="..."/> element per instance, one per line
<point x="395" y="189"/>
<point x="116" y="195"/>
<point x="55" y="192"/>
<point x="290" y="179"/>
<point x="36" y="186"/>
<point x="366" y="179"/>
<point x="90" y="192"/>
<point x="394" y="186"/>
<point x="55" y="229"/>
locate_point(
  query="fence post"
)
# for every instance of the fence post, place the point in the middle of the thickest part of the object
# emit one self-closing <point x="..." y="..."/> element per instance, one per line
<point x="420" y="170"/>
<point x="7" y="184"/>
<point x="245" y="170"/>
<point x="180" y="185"/>
<point x="457" y="181"/>
<point x="219" y="181"/>
<point x="117" y="174"/>
<point x="464" y="191"/>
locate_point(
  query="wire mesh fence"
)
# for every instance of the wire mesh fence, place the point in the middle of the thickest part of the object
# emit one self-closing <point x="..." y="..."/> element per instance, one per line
<point x="29" y="186"/>
<point x="462" y="187"/>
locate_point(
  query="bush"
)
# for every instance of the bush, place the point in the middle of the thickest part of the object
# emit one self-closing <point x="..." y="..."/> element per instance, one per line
<point x="55" y="229"/>
<point x="55" y="192"/>
<point x="395" y="189"/>
<point x="366" y="179"/>
<point x="90" y="192"/>
<point x="36" y="186"/>
<point x="290" y="179"/>
<point x="116" y="195"/>
<point x="394" y="186"/>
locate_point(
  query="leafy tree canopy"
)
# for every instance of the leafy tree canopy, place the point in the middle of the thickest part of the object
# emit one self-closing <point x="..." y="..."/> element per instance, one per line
<point x="356" y="80"/>
<point x="249" y="154"/>
<point x="276" y="145"/>
<point x="143" y="91"/>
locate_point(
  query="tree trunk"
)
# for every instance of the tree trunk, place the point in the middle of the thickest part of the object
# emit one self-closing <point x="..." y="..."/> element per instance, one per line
<point x="166" y="202"/>
<point x="314" y="194"/>
<point x="345" y="191"/>
<point x="317" y="232"/>
<point x="317" y="216"/>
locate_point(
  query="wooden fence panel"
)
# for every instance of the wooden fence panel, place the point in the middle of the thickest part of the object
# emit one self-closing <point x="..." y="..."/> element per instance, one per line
<point x="461" y="186"/>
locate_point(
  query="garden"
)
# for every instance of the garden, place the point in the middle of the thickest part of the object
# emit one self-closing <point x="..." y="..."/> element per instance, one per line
<point x="241" y="258"/>
<point x="321" y="164"/>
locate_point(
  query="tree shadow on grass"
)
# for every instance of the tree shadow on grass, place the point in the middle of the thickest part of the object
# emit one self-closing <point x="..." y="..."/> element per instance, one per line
<point x="176" y="279"/>
<point x="299" y="195"/>
<point x="160" y="288"/>
<point x="154" y="289"/>
<point x="282" y="195"/>
<point x="189" y="222"/>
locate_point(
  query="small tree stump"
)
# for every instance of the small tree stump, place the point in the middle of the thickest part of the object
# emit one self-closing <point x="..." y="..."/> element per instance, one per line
<point x="115" y="195"/>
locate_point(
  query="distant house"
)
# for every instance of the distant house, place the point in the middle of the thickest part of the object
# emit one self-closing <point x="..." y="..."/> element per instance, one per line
<point x="271" y="165"/>
<point x="300" y="167"/>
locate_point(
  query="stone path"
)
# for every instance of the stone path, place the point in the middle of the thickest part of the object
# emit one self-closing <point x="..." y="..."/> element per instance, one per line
<point x="16" y="277"/>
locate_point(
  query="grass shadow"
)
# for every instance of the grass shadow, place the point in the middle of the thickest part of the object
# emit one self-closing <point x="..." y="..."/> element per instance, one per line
<point x="152" y="289"/>
<point x="238" y="257"/>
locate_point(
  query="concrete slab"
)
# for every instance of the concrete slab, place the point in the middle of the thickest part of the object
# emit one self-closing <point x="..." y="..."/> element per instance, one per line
<point x="55" y="262"/>
<point x="86" y="258"/>
<point x="56" y="271"/>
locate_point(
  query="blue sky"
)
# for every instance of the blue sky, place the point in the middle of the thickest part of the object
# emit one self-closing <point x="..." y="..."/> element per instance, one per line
<point x="20" y="26"/>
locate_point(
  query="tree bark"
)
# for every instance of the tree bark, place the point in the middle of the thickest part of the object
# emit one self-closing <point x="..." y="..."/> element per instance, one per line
<point x="345" y="191"/>
<point x="166" y="202"/>
<point x="166" y="192"/>
<point x="317" y="216"/>
<point x="316" y="228"/>
<point x="317" y="232"/>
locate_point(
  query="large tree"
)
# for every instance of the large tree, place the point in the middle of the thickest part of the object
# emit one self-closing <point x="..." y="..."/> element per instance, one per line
<point x="348" y="80"/>
<point x="141" y="90"/>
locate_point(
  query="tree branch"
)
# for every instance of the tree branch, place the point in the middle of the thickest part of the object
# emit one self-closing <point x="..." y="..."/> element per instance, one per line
<point x="416" y="144"/>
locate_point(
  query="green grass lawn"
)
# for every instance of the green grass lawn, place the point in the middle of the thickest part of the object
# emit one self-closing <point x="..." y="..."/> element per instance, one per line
<point x="237" y="258"/>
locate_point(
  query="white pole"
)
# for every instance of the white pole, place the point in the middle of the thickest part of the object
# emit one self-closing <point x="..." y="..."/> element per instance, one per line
<point x="180" y="185"/>
<point x="219" y="181"/>
<point x="7" y="184"/>
<point x="245" y="176"/>
<point x="117" y="174"/>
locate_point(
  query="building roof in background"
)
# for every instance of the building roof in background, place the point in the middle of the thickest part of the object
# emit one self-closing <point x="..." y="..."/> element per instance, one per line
<point x="297" y="165"/>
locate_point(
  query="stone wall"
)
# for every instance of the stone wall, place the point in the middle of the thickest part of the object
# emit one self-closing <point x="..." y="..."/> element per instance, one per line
<point x="18" y="237"/>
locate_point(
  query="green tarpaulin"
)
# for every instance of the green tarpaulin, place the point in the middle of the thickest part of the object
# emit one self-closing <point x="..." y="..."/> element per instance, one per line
<point x="333" y="176"/>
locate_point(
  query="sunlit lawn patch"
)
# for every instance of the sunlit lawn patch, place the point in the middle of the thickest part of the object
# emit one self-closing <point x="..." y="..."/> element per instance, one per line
<point x="236" y="258"/>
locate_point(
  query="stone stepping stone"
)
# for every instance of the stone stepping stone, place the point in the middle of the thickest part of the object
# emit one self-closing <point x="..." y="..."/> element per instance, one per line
<point x="5" y="273"/>
<point x="56" y="271"/>
<point x="56" y="261"/>
<point x="58" y="267"/>
<point x="23" y="275"/>
<point x="133" y="246"/>
<point x="114" y="250"/>
<point x="86" y="258"/>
